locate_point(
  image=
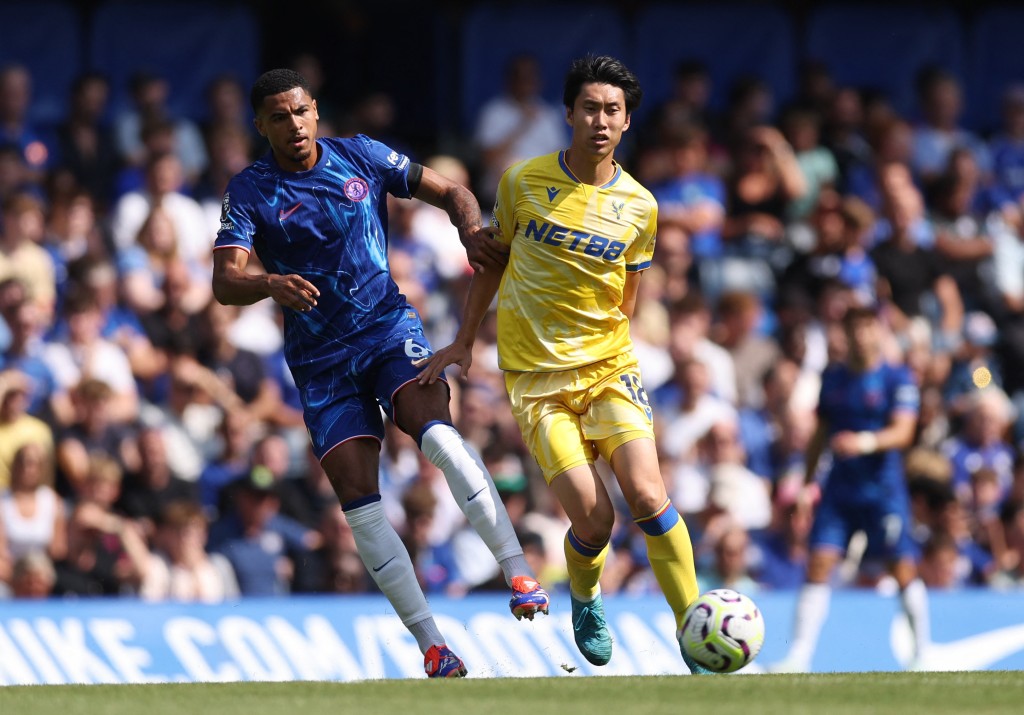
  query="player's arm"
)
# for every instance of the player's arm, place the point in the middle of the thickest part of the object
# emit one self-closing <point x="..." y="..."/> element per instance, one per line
<point x="482" y="289"/>
<point x="629" y="291"/>
<point x="232" y="285"/>
<point x="484" y="253"/>
<point x="898" y="434"/>
<point x="815" y="448"/>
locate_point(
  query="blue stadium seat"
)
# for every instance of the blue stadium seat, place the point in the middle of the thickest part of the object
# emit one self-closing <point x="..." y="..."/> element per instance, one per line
<point x="732" y="40"/>
<point x="995" y="62"/>
<point x="883" y="47"/>
<point x="554" y="33"/>
<point x="45" y="36"/>
<point x="187" y="43"/>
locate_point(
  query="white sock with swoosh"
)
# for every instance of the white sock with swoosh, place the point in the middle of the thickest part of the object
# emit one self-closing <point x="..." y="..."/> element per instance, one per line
<point x="388" y="562"/>
<point x="914" y="599"/>
<point x="474" y="490"/>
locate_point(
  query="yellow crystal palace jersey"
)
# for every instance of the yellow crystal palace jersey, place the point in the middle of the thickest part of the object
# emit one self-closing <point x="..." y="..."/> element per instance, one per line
<point x="572" y="244"/>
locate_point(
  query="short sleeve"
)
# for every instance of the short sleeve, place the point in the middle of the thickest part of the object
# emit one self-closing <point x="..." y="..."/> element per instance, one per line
<point x="237" y="226"/>
<point x="503" y="216"/>
<point x="391" y="166"/>
<point x="905" y="396"/>
<point x="641" y="251"/>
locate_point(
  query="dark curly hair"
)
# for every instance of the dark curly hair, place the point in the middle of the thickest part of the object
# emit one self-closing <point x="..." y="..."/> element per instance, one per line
<point x="274" y="82"/>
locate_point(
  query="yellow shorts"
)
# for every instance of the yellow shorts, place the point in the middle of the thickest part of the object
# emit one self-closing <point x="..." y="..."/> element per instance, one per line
<point x="568" y="417"/>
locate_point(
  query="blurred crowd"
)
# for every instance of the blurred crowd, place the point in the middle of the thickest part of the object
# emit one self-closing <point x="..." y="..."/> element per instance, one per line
<point x="151" y="440"/>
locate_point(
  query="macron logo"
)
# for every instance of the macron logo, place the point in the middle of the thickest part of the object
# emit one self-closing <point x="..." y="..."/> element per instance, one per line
<point x="552" y="193"/>
<point x="285" y="214"/>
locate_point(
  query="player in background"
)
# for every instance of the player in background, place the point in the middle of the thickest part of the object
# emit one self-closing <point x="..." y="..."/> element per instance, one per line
<point x="314" y="212"/>
<point x="581" y="232"/>
<point x="867" y="413"/>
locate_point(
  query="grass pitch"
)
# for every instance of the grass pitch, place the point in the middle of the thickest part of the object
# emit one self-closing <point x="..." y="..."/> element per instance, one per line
<point x="975" y="693"/>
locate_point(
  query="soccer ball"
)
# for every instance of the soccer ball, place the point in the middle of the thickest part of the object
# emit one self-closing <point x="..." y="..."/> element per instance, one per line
<point x="722" y="630"/>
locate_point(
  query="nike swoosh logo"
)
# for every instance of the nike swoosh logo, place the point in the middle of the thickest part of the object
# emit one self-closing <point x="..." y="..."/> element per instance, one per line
<point x="378" y="568"/>
<point x="471" y="497"/>
<point x="976" y="652"/>
<point x="552" y="193"/>
<point x="285" y="214"/>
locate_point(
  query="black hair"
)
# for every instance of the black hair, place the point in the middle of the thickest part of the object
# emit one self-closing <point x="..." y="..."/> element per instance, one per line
<point x="603" y="70"/>
<point x="274" y="82"/>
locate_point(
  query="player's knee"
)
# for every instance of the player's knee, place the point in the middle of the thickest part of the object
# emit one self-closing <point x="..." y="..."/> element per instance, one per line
<point x="820" y="566"/>
<point x="594" y="529"/>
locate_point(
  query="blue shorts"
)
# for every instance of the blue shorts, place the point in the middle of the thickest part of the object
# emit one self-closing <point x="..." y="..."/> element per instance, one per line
<point x="346" y="402"/>
<point x="885" y="521"/>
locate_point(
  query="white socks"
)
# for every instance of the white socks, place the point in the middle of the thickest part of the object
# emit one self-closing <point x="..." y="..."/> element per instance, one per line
<point x="914" y="599"/>
<point x="811" y="611"/>
<point x="388" y="562"/>
<point x="476" y="495"/>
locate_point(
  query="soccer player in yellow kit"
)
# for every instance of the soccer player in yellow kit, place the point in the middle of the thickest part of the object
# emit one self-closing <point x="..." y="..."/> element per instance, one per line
<point x="581" y="231"/>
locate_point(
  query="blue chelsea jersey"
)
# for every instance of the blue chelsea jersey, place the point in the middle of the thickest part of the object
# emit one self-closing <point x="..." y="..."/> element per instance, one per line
<point x="859" y="401"/>
<point x="328" y="225"/>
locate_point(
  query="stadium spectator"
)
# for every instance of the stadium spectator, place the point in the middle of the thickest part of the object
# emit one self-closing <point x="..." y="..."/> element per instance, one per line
<point x="736" y="495"/>
<point x="334" y="567"/>
<point x="24" y="353"/>
<point x="689" y="329"/>
<point x="188" y="419"/>
<point x="801" y="126"/>
<point x="85" y="144"/>
<point x="149" y="487"/>
<point x="730" y="567"/>
<point x="736" y="328"/>
<point x="690" y="197"/>
<point x="940" y="100"/>
<point x="911" y="276"/>
<point x="1011" y="567"/>
<point x="16" y="129"/>
<point x="107" y="552"/>
<point x="33" y="577"/>
<point x="698" y="412"/>
<point x="435" y="562"/>
<point x="162" y="187"/>
<point x="86" y="353"/>
<point x="17" y="427"/>
<point x="963" y="235"/>
<point x="236" y="435"/>
<point x="780" y="552"/>
<point x="261" y="544"/>
<point x="32" y="515"/>
<point x="149" y="96"/>
<point x="516" y="125"/>
<point x="90" y="431"/>
<point x="179" y="568"/>
<point x="22" y="256"/>
<point x="981" y="441"/>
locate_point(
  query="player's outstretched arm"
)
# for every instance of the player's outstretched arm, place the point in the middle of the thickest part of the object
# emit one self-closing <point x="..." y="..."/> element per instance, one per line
<point x="481" y="292"/>
<point x="463" y="210"/>
<point x="233" y="286"/>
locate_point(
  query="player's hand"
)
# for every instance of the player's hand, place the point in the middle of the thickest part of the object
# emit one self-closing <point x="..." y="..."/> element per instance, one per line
<point x="292" y="291"/>
<point x="433" y="366"/>
<point x="483" y="250"/>
<point x="845" y="444"/>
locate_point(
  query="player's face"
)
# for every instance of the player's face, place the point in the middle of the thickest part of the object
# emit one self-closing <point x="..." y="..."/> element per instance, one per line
<point x="598" y="118"/>
<point x="288" y="120"/>
<point x="865" y="336"/>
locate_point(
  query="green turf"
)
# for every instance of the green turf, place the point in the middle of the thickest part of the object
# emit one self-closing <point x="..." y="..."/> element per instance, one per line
<point x="825" y="694"/>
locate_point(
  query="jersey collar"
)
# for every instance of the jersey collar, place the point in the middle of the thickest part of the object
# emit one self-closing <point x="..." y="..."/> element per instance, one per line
<point x="568" y="171"/>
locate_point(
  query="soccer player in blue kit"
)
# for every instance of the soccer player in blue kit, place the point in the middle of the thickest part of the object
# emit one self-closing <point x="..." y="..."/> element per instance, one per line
<point x="867" y="414"/>
<point x="314" y="211"/>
